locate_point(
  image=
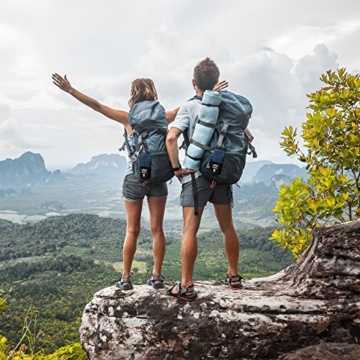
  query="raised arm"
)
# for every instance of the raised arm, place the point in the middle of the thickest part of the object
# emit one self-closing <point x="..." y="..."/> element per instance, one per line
<point x="170" y="115"/>
<point x="118" y="115"/>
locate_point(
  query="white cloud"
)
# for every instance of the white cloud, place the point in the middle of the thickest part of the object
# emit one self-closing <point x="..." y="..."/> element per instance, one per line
<point x="271" y="52"/>
<point x="309" y="68"/>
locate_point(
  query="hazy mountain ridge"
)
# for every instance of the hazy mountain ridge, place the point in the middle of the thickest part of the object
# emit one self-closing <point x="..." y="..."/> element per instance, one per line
<point x="27" y="170"/>
<point x="281" y="171"/>
<point x="251" y="169"/>
<point x="95" y="188"/>
<point x="104" y="164"/>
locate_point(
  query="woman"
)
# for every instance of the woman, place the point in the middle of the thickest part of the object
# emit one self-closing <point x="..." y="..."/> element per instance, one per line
<point x="133" y="191"/>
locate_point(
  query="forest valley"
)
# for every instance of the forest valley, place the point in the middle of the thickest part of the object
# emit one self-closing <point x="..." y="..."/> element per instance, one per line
<point x="50" y="270"/>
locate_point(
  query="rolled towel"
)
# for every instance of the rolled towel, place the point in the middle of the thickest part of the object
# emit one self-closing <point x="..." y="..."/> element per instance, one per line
<point x="209" y="112"/>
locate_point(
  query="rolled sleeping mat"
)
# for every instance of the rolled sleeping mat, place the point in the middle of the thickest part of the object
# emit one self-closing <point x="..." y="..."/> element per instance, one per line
<point x="209" y="112"/>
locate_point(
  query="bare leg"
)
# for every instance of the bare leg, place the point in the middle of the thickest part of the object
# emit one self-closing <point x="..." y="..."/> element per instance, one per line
<point x="157" y="209"/>
<point x="223" y="214"/>
<point x="188" y="246"/>
<point x="133" y="216"/>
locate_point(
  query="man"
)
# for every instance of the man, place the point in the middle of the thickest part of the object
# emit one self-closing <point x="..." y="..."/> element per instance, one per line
<point x="206" y="75"/>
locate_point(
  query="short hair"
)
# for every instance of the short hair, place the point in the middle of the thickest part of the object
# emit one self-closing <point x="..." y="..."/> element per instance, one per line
<point x="206" y="74"/>
<point x="141" y="90"/>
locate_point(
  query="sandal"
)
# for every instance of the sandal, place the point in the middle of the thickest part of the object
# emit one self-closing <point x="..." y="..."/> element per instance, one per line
<point x="125" y="283"/>
<point x="186" y="294"/>
<point x="157" y="282"/>
<point x="230" y="280"/>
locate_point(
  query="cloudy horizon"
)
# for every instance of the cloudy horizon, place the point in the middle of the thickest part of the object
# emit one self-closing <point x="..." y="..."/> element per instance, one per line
<point x="273" y="53"/>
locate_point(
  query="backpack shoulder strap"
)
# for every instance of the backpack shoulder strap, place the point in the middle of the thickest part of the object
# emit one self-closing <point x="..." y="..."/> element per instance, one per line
<point x="126" y="145"/>
<point x="196" y="97"/>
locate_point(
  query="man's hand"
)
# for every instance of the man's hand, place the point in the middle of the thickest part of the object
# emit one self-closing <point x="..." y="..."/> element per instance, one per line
<point x="221" y="85"/>
<point x="181" y="172"/>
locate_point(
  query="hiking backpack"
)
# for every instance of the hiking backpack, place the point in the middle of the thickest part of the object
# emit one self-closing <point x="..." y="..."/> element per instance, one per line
<point x="148" y="155"/>
<point x="224" y="156"/>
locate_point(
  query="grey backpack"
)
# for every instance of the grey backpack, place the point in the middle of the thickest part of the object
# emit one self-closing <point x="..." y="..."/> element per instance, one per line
<point x="225" y="156"/>
<point x="149" y="157"/>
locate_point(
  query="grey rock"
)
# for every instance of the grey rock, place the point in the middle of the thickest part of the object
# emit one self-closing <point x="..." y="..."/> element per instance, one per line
<point x="315" y="300"/>
<point x="326" y="351"/>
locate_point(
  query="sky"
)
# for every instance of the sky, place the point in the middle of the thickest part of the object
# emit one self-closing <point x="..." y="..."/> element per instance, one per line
<point x="271" y="52"/>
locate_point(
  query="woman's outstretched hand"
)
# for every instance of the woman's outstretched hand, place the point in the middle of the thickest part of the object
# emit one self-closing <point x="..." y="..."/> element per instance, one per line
<point x="62" y="82"/>
<point x="221" y="85"/>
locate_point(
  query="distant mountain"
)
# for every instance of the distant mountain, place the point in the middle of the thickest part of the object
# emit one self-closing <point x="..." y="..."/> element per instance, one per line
<point x="27" y="170"/>
<point x="104" y="164"/>
<point x="7" y="192"/>
<point x="266" y="173"/>
<point x="280" y="179"/>
<point x="251" y="168"/>
<point x="13" y="192"/>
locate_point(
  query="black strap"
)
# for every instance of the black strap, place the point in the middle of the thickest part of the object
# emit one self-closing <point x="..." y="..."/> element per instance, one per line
<point x="213" y="126"/>
<point x="126" y="145"/>
<point x="195" y="194"/>
<point x="251" y="148"/>
<point x="193" y="179"/>
<point x="201" y="146"/>
<point x="196" y="97"/>
<point x="193" y="158"/>
<point x="209" y="105"/>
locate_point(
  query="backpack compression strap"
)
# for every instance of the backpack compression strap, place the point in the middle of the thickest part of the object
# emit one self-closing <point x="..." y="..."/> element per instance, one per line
<point x="223" y="132"/>
<point x="141" y="143"/>
<point x="126" y="145"/>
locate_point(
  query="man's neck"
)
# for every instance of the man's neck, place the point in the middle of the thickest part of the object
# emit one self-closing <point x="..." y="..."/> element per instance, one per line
<point x="198" y="92"/>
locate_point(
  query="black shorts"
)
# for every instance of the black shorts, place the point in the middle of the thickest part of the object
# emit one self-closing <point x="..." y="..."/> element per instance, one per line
<point x="220" y="194"/>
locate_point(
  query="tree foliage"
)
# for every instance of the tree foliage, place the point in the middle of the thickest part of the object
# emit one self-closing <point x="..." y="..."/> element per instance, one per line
<point x="331" y="138"/>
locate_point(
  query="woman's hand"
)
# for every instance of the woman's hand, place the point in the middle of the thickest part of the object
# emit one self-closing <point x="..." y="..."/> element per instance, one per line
<point x="62" y="82"/>
<point x="249" y="135"/>
<point x="118" y="115"/>
<point x="221" y="85"/>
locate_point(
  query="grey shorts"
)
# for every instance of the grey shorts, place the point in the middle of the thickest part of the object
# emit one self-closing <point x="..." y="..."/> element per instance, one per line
<point x="133" y="191"/>
<point x="220" y="194"/>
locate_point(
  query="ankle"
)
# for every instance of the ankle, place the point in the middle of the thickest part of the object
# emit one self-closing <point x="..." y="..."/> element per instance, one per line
<point x="186" y="284"/>
<point x="232" y="273"/>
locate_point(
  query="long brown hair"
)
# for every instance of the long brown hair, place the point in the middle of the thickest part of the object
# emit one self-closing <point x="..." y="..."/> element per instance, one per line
<point x="141" y="90"/>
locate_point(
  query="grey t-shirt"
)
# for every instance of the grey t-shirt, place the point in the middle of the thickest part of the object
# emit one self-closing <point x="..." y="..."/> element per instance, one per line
<point x="185" y="121"/>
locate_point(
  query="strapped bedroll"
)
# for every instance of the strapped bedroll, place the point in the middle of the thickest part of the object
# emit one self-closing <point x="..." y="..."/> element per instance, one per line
<point x="204" y="129"/>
